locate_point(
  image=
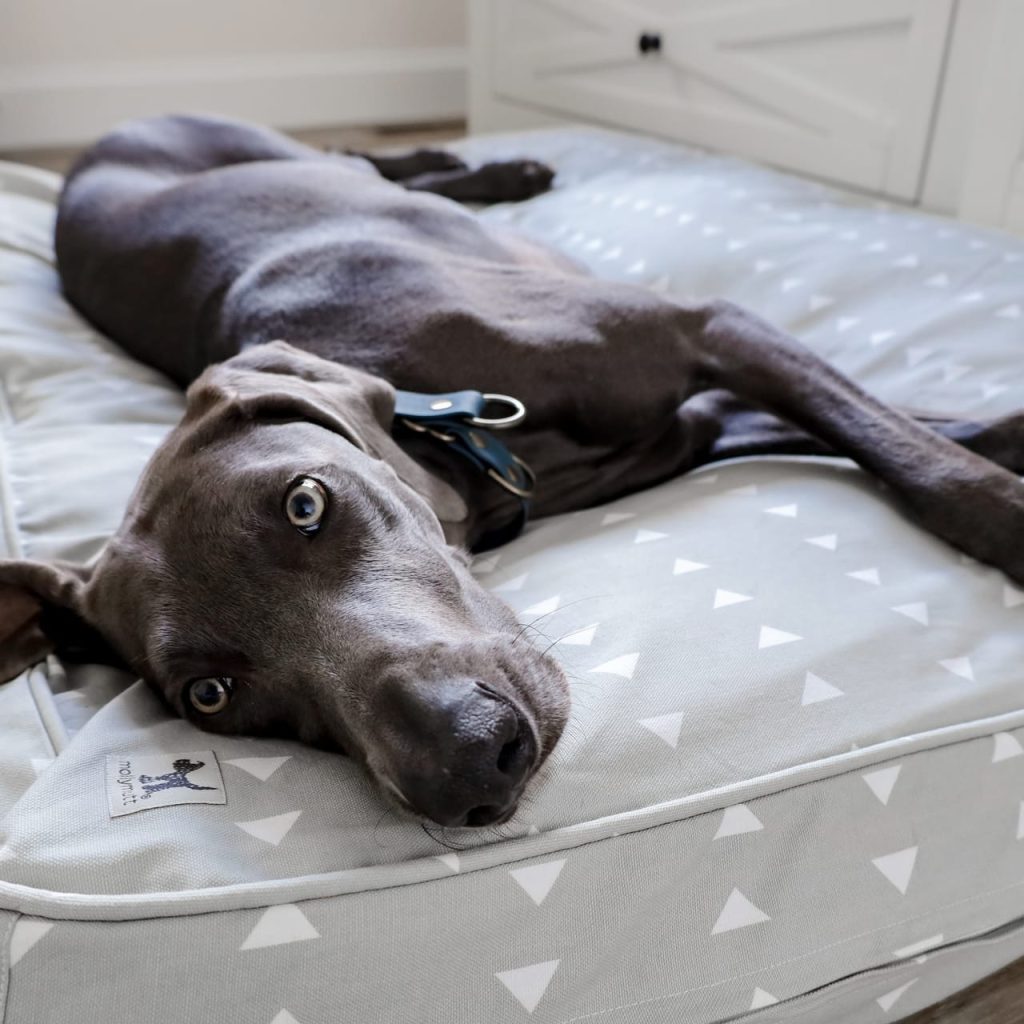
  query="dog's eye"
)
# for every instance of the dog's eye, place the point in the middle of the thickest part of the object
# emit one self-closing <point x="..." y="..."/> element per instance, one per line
<point x="208" y="696"/>
<point x="306" y="504"/>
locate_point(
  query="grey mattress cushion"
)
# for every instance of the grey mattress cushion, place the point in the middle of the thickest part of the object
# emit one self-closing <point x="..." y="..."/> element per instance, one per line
<point x="792" y="784"/>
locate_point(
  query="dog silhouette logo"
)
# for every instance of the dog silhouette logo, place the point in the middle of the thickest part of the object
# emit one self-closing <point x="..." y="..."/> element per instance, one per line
<point x="176" y="779"/>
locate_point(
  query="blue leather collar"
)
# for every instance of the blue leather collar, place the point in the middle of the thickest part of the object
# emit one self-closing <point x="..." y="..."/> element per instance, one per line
<point x="457" y="420"/>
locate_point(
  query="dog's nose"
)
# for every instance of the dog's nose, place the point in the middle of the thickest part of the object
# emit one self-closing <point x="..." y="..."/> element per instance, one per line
<point x="472" y="752"/>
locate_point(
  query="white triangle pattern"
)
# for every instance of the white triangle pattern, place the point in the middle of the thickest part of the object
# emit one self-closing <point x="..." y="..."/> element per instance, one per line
<point x="270" y="830"/>
<point x="537" y="879"/>
<point x="543" y="607"/>
<point x="762" y="999"/>
<point x="646" y="536"/>
<point x="772" y="637"/>
<point x="917" y="948"/>
<point x="828" y="541"/>
<point x="27" y="932"/>
<point x="866" y="576"/>
<point x="280" y="925"/>
<point x="738" y="820"/>
<point x="610" y="518"/>
<point x="284" y="1017"/>
<point x="724" y="598"/>
<point x="665" y="727"/>
<point x="738" y="912"/>
<point x="1006" y="746"/>
<point x="528" y="984"/>
<point x="898" y="867"/>
<point x="881" y="782"/>
<point x="623" y="666"/>
<point x="817" y="690"/>
<point x="509" y="586"/>
<point x="259" y="767"/>
<point x="450" y="861"/>
<point x="483" y="566"/>
<point x="581" y="637"/>
<point x="959" y="667"/>
<point x="889" y="1000"/>
<point x="682" y="566"/>
<point x="786" y="511"/>
<point x="918" y="611"/>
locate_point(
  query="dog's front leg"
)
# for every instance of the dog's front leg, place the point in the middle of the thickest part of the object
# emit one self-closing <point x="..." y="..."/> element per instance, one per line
<point x="962" y="497"/>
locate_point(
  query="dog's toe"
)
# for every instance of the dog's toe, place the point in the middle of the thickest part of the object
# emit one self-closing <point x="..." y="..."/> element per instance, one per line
<point x="439" y="160"/>
<point x="538" y="175"/>
<point x="515" y="180"/>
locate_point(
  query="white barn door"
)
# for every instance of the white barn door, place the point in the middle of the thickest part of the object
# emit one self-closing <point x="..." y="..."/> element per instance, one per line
<point x="840" y="89"/>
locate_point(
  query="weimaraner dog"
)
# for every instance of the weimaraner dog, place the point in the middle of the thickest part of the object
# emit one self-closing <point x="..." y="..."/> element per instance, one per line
<point x="293" y="560"/>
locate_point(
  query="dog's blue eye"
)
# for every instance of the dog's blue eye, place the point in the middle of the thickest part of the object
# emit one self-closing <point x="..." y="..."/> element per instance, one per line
<point x="305" y="504"/>
<point x="211" y="695"/>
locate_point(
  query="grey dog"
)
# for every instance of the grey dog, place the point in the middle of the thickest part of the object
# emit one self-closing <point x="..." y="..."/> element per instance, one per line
<point x="289" y="566"/>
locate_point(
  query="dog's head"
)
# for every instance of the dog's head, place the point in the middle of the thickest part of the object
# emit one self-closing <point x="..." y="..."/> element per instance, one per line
<point x="283" y="570"/>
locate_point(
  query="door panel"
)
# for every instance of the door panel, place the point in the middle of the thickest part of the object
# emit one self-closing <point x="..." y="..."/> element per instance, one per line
<point x="842" y="89"/>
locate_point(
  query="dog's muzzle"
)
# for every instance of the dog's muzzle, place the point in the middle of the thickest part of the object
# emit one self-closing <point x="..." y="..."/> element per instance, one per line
<point x="465" y="752"/>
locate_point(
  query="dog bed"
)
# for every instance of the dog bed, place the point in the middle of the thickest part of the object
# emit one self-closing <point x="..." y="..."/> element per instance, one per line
<point x="793" y="783"/>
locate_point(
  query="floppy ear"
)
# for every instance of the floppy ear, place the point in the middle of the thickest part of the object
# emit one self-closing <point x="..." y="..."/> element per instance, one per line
<point x="41" y="613"/>
<point x="278" y="381"/>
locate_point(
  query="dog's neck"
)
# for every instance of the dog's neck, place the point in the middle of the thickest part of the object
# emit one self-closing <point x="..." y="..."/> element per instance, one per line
<point x="491" y="509"/>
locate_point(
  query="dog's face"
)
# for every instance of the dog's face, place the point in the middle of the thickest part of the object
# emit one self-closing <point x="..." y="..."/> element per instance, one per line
<point x="283" y="570"/>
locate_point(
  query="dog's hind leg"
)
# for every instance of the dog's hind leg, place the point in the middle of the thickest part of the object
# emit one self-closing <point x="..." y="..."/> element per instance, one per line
<point x="956" y="494"/>
<point x="744" y="429"/>
<point x="402" y="166"/>
<point x="505" y="181"/>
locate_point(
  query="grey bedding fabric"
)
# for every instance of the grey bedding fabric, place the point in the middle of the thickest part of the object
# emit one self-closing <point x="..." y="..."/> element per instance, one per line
<point x="793" y="784"/>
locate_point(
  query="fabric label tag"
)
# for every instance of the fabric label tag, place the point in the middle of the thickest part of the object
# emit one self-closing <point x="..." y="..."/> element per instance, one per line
<point x="137" y="782"/>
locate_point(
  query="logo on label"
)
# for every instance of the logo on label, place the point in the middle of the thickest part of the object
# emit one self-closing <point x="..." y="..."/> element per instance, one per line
<point x="136" y="783"/>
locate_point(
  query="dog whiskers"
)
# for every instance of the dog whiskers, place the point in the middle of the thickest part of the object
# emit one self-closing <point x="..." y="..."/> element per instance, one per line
<point x="439" y="841"/>
<point x="532" y="624"/>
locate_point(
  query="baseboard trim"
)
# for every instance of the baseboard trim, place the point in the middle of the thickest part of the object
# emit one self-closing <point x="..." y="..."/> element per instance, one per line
<point x="66" y="104"/>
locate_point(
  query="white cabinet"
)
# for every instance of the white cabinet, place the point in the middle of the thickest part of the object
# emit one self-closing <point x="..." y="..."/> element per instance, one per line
<point x="918" y="100"/>
<point x="991" y="186"/>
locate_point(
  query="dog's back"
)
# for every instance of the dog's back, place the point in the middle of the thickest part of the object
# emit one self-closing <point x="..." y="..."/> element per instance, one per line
<point x="187" y="239"/>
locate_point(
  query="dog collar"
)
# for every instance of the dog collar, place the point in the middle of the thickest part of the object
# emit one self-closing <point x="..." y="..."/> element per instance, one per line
<point x="457" y="420"/>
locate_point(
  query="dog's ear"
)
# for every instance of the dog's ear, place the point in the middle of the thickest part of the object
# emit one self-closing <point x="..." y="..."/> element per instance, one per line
<point x="279" y="381"/>
<point x="41" y="612"/>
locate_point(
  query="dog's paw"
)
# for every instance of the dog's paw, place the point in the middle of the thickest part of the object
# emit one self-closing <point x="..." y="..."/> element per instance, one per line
<point x="516" y="180"/>
<point x="437" y="160"/>
<point x="1001" y="440"/>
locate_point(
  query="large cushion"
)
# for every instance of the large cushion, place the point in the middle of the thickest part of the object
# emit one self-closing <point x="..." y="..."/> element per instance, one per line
<point x="792" y="784"/>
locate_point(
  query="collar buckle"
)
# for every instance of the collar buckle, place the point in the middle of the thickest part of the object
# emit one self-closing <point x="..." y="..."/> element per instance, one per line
<point x="457" y="419"/>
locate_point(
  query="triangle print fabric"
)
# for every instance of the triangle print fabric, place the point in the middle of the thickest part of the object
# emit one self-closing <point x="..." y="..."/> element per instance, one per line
<point x="536" y="881"/>
<point x="528" y="984"/>
<point x="738" y="912"/>
<point x="278" y="926"/>
<point x="270" y="830"/>
<point x="898" y="867"/>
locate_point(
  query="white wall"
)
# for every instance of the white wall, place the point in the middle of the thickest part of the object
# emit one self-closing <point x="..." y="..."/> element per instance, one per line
<point x="71" y="68"/>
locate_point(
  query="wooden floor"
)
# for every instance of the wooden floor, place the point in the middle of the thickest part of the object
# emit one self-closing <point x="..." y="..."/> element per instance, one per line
<point x="997" y="1000"/>
<point x="359" y="137"/>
